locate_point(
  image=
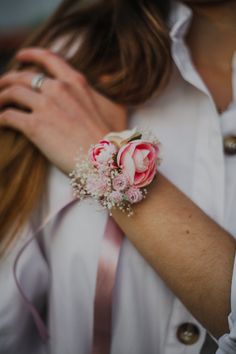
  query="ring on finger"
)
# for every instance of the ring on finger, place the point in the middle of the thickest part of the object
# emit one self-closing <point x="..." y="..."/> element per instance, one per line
<point x="37" y="81"/>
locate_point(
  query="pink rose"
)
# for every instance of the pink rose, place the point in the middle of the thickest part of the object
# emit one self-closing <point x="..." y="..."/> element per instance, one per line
<point x="97" y="185"/>
<point x="138" y="160"/>
<point x="102" y="153"/>
<point x="120" y="183"/>
<point x="134" y="195"/>
<point x="115" y="197"/>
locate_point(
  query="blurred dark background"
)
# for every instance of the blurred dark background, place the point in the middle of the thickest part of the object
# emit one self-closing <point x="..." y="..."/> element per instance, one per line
<point x="17" y="19"/>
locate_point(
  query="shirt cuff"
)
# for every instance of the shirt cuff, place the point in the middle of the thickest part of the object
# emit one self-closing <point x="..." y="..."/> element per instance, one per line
<point x="227" y="343"/>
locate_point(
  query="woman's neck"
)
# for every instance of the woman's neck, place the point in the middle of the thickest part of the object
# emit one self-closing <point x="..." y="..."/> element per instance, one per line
<point x="212" y="43"/>
<point x="213" y="32"/>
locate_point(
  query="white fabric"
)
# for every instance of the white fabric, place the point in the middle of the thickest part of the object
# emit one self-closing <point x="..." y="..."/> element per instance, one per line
<point x="60" y="267"/>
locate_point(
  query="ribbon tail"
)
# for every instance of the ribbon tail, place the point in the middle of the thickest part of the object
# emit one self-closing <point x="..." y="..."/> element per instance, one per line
<point x="42" y="330"/>
<point x="41" y="327"/>
<point x="106" y="274"/>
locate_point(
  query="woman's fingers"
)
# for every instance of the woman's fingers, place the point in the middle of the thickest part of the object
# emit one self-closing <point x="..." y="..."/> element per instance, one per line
<point x="16" y="78"/>
<point x="71" y="97"/>
<point x="49" y="87"/>
<point x="13" y="79"/>
<point x="51" y="62"/>
<point x="59" y="69"/>
<point x="61" y="92"/>
<point x="16" y="119"/>
<point x="63" y="73"/>
<point x="22" y="96"/>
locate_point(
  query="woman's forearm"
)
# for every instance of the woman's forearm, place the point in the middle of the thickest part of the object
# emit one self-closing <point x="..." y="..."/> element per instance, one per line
<point x="192" y="254"/>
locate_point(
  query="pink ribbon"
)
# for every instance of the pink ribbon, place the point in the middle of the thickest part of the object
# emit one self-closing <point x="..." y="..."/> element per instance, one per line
<point x="107" y="266"/>
<point x="42" y="330"/>
<point x="40" y="325"/>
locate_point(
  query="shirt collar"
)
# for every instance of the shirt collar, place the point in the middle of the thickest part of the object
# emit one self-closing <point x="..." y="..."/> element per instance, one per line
<point x="179" y="20"/>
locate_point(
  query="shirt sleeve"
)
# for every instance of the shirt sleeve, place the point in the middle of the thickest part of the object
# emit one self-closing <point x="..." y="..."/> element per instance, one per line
<point x="227" y="343"/>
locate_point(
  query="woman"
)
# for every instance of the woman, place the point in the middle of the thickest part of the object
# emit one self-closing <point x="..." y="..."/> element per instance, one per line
<point x="146" y="314"/>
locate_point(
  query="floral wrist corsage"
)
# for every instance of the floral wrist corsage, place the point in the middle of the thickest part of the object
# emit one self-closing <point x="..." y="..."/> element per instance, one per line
<point x="117" y="169"/>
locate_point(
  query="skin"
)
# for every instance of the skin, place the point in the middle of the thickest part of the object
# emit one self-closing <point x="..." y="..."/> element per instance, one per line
<point x="213" y="31"/>
<point x="180" y="242"/>
<point x="66" y="97"/>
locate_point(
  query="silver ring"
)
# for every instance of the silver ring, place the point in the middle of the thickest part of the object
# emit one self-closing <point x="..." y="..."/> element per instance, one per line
<point x="37" y="81"/>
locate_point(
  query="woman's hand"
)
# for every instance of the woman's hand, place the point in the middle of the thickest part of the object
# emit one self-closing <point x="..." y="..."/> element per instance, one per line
<point x="65" y="115"/>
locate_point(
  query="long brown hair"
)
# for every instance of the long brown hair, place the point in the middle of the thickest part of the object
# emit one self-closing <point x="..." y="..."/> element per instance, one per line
<point x="126" y="41"/>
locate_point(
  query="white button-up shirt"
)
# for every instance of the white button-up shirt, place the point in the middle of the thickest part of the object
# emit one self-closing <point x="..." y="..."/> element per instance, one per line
<point x="59" y="268"/>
